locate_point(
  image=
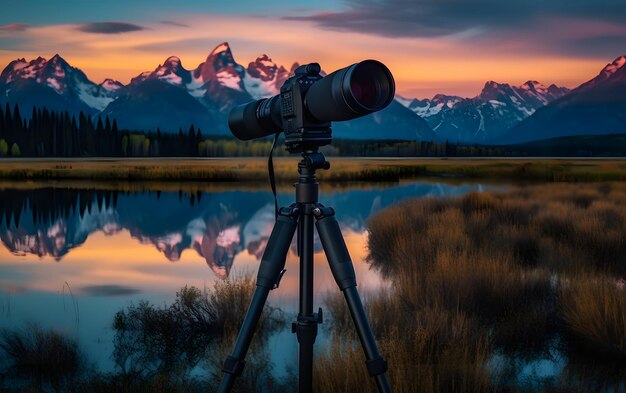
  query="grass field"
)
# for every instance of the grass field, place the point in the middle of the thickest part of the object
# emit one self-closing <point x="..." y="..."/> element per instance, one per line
<point x="518" y="274"/>
<point x="342" y="169"/>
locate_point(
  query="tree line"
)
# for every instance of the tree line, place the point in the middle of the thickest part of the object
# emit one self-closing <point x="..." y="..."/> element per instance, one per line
<point x="60" y="134"/>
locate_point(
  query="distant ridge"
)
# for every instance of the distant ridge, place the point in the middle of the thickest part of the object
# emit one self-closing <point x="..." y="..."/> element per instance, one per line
<point x="596" y="107"/>
<point x="172" y="97"/>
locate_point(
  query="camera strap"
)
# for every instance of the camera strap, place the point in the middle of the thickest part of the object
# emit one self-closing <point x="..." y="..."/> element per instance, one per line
<point x="270" y="170"/>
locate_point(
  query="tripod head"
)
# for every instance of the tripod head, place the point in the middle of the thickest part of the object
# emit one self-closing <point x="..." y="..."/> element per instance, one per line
<point x="313" y="160"/>
<point x="307" y="187"/>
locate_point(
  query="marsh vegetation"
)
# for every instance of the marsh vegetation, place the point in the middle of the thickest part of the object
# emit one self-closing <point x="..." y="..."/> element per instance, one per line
<point x="174" y="348"/>
<point x="343" y="169"/>
<point x="483" y="281"/>
<point x="483" y="287"/>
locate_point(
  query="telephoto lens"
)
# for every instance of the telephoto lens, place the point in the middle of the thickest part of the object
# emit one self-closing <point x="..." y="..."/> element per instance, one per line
<point x="256" y="119"/>
<point x="351" y="92"/>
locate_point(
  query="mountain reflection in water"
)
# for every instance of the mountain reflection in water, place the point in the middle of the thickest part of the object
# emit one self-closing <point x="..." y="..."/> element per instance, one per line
<point x="53" y="221"/>
<point x="103" y="250"/>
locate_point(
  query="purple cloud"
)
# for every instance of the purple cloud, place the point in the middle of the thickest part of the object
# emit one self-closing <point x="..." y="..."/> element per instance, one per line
<point x="174" y="23"/>
<point x="108" y="290"/>
<point x="109" y="27"/>
<point x="532" y="23"/>
<point x="431" y="18"/>
<point x="14" y="27"/>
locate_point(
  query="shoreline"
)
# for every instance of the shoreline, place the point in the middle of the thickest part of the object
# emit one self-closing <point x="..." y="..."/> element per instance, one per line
<point x="247" y="169"/>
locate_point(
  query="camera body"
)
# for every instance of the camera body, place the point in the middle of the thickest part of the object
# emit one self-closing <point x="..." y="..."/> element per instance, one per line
<point x="308" y="102"/>
<point x="302" y="131"/>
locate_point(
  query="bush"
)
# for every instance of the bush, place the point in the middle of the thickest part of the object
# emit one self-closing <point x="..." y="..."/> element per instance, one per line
<point x="15" y="150"/>
<point x="42" y="358"/>
<point x="4" y="148"/>
<point x="169" y="342"/>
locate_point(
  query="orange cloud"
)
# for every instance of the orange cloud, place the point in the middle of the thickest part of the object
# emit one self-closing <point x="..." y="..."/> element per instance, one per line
<point x="422" y="66"/>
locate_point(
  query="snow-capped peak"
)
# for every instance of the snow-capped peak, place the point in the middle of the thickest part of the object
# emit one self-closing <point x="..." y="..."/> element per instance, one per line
<point x="171" y="64"/>
<point x="220" y="66"/>
<point x="20" y="69"/>
<point x="607" y="73"/>
<point x="56" y="59"/>
<point x="264" y="78"/>
<point x="66" y="81"/>
<point x="223" y="47"/>
<point x="19" y="64"/>
<point x="221" y="57"/>
<point x="111" y="85"/>
<point x="534" y="86"/>
<point x="613" y="67"/>
<point x="173" y="61"/>
<point x="618" y="63"/>
<point x="262" y="68"/>
<point x="171" y="71"/>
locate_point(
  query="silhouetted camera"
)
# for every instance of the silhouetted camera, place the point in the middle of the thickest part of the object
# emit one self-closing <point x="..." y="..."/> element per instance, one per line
<point x="308" y="103"/>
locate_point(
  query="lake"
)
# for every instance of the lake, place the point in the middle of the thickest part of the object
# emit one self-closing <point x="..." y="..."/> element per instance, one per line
<point x="73" y="255"/>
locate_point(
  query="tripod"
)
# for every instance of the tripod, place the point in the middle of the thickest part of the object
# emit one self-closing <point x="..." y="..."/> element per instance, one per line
<point x="301" y="216"/>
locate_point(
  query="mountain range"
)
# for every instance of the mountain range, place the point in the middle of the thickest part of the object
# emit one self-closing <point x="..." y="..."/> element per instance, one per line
<point x="505" y="114"/>
<point x="172" y="97"/>
<point x="497" y="108"/>
<point x="596" y="107"/>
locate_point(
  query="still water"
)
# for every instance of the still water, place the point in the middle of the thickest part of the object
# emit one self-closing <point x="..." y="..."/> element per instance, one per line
<point x="71" y="257"/>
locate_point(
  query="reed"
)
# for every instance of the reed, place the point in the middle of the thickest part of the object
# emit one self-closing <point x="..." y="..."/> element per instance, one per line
<point x="505" y="269"/>
<point x="594" y="313"/>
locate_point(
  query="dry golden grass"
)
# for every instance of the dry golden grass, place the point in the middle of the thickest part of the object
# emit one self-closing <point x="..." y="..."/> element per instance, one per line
<point x="594" y="312"/>
<point x="495" y="271"/>
<point x="428" y="350"/>
<point x="343" y="169"/>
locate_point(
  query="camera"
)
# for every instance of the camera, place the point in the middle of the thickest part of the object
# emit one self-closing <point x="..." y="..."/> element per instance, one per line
<point x="309" y="102"/>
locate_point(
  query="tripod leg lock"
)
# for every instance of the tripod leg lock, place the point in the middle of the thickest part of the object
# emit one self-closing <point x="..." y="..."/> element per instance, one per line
<point x="376" y="366"/>
<point x="234" y="366"/>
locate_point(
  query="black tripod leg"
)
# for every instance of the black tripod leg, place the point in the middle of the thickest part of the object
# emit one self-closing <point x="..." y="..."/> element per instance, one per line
<point x="343" y="272"/>
<point x="270" y="272"/>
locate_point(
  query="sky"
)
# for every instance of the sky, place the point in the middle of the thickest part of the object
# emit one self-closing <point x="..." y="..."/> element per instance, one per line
<point x="431" y="46"/>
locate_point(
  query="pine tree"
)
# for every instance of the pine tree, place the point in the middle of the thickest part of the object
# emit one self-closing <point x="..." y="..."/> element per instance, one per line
<point x="66" y="132"/>
<point x="180" y="143"/>
<point x="199" y="138"/>
<point x="34" y="120"/>
<point x="191" y="142"/>
<point x="114" y="137"/>
<point x="17" y="119"/>
<point x="76" y="138"/>
<point x="7" y="117"/>
<point x="99" y="127"/>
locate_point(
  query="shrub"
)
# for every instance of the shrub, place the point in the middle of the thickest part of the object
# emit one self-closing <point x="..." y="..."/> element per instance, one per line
<point x="43" y="358"/>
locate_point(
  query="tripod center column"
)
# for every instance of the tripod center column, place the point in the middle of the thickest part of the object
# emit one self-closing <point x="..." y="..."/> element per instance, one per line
<point x="307" y="194"/>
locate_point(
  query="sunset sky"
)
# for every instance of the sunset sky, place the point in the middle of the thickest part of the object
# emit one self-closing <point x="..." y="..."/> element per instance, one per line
<point x="432" y="46"/>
